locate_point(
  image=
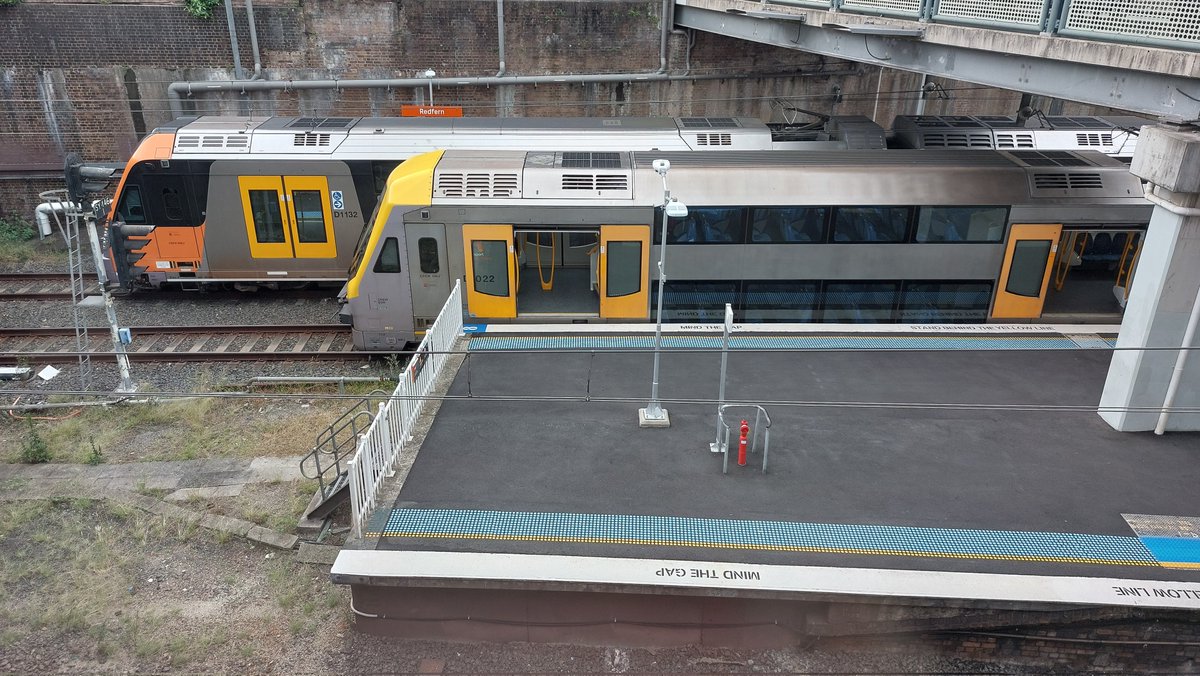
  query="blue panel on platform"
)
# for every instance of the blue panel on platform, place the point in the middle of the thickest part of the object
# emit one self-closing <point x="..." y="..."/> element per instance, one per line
<point x="766" y="535"/>
<point x="1174" y="550"/>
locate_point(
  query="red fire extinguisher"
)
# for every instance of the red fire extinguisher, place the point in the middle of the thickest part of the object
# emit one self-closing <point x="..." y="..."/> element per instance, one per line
<point x="742" y="444"/>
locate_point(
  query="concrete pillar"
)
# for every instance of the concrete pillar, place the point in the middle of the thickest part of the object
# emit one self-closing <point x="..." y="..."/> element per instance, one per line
<point x="1163" y="292"/>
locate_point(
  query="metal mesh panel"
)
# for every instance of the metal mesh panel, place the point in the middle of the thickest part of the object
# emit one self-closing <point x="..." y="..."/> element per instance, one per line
<point x="1018" y="12"/>
<point x="912" y="7"/>
<point x="1163" y="19"/>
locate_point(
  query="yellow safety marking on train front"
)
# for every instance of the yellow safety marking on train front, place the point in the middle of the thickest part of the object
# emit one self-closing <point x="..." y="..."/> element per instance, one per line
<point x="409" y="185"/>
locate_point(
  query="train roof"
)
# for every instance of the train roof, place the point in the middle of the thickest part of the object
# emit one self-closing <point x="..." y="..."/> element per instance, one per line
<point x="841" y="177"/>
<point x="1112" y="135"/>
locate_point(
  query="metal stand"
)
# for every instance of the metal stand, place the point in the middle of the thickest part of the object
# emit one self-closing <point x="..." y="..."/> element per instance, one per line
<point x="760" y="415"/>
<point x="68" y="225"/>
<point x="716" y="446"/>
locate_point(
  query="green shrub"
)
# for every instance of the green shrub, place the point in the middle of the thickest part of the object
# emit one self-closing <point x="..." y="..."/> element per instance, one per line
<point x="34" y="451"/>
<point x="200" y="9"/>
<point x="10" y="3"/>
<point x="14" y="229"/>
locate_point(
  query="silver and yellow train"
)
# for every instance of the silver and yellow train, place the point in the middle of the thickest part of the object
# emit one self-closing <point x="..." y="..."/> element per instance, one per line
<point x="259" y="201"/>
<point x="851" y="236"/>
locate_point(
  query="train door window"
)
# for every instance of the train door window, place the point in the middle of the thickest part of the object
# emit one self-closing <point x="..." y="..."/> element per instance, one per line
<point x="131" y="209"/>
<point x="1028" y="269"/>
<point x="172" y="204"/>
<point x="961" y="224"/>
<point x="624" y="274"/>
<point x="870" y="224"/>
<point x="695" y="301"/>
<point x="310" y="217"/>
<point x="859" y="302"/>
<point x="788" y="225"/>
<point x="781" y="301"/>
<point x="491" y="266"/>
<point x="944" y="302"/>
<point x="389" y="256"/>
<point x="427" y="253"/>
<point x="267" y="216"/>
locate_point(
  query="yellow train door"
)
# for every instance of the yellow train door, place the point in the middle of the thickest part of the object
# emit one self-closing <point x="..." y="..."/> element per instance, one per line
<point x="288" y="216"/>
<point x="624" y="275"/>
<point x="490" y="259"/>
<point x="1025" y="274"/>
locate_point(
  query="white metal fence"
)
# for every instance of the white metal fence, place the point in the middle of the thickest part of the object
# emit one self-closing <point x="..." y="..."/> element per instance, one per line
<point x="381" y="444"/>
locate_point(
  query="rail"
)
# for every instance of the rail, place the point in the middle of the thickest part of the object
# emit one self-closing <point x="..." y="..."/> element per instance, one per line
<point x="391" y="430"/>
<point x="1173" y="24"/>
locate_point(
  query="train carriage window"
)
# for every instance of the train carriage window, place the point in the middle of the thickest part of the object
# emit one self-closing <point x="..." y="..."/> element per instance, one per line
<point x="860" y="302"/>
<point x="870" y="224"/>
<point x="172" y="204"/>
<point x="695" y="301"/>
<point x="489" y="261"/>
<point x="310" y="216"/>
<point x="781" y="301"/>
<point x="1028" y="269"/>
<point x="427" y="252"/>
<point x="704" y="225"/>
<point x="961" y="224"/>
<point x="131" y="209"/>
<point x="624" y="272"/>
<point x="944" y="302"/>
<point x="389" y="256"/>
<point x="788" y="225"/>
<point x="268" y="217"/>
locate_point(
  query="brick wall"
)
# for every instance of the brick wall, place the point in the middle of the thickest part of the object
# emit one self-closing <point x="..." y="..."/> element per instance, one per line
<point x="91" y="76"/>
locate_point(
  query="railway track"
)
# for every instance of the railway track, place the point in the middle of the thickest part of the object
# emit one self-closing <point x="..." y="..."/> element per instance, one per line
<point x="42" y="285"/>
<point x="185" y="343"/>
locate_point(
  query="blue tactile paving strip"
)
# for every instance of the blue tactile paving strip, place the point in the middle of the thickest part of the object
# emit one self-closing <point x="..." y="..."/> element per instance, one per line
<point x="626" y="529"/>
<point x="783" y="343"/>
<point x="1174" y="552"/>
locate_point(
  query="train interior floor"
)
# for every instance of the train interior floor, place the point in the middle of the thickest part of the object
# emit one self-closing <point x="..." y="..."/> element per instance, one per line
<point x="1084" y="292"/>
<point x="570" y="292"/>
<point x="969" y="455"/>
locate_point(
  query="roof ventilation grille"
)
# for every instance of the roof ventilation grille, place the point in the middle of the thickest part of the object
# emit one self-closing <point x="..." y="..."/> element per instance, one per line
<point x="1094" y="139"/>
<point x="1011" y="141"/>
<point x="476" y="185"/>
<point x="309" y="139"/>
<point x="1047" y="181"/>
<point x="714" y="139"/>
<point x="581" y="160"/>
<point x="707" y="122"/>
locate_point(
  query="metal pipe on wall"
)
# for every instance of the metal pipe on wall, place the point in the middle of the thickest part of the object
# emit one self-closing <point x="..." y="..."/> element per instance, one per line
<point x="254" y="41"/>
<point x="177" y="89"/>
<point x="499" y="36"/>
<point x="233" y="42"/>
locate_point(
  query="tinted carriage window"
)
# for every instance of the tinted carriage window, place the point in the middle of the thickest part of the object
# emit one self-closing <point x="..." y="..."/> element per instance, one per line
<point x="961" y="224"/>
<point x="489" y="260"/>
<point x="310" y="216"/>
<point x="1028" y="269"/>
<point x="380" y="171"/>
<point x="926" y="302"/>
<point x="427" y="252"/>
<point x="172" y="204"/>
<point x="704" y="225"/>
<point x="695" y="301"/>
<point x="781" y="301"/>
<point x="624" y="274"/>
<point x="389" y="256"/>
<point x="268" y="219"/>
<point x="870" y="224"/>
<point x="859" y="302"/>
<point x="131" y="209"/>
<point x="580" y="240"/>
<point x="788" y="225"/>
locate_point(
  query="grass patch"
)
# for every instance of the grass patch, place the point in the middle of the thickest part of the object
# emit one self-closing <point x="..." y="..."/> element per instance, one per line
<point x="19" y="244"/>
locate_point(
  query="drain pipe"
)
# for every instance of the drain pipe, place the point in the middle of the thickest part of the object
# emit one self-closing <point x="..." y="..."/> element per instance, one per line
<point x="254" y="42"/>
<point x="665" y="20"/>
<point x="233" y="42"/>
<point x="499" y="35"/>
<point x="177" y="89"/>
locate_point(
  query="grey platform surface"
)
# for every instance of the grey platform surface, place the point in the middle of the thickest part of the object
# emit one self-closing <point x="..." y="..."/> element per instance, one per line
<point x="527" y="441"/>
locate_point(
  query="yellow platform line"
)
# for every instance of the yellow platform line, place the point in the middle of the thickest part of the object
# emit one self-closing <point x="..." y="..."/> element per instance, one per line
<point x="773" y="548"/>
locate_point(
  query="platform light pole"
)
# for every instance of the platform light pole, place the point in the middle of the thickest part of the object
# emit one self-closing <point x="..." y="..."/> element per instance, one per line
<point x="654" y="415"/>
<point x="430" y="73"/>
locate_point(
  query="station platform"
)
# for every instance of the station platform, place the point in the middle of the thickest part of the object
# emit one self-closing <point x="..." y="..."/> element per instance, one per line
<point x="953" y="467"/>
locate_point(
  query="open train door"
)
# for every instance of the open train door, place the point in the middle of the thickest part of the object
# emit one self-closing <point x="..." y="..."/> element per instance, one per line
<point x="491" y="268"/>
<point x="1025" y="275"/>
<point x="624" y="274"/>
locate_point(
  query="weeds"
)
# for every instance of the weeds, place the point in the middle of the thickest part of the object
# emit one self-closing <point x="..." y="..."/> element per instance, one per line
<point x="95" y="457"/>
<point x="34" y="451"/>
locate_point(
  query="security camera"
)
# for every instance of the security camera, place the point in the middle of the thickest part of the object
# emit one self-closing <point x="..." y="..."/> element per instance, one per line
<point x="661" y="166"/>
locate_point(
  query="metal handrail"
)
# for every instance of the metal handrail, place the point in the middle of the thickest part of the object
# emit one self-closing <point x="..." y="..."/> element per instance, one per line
<point x="759" y="416"/>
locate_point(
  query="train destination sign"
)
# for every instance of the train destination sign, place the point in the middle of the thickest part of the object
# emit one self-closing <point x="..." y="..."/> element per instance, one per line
<point x="431" y="111"/>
